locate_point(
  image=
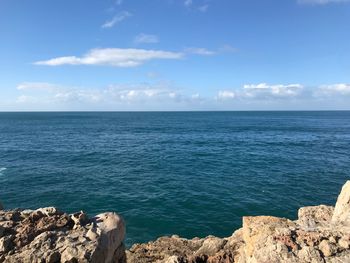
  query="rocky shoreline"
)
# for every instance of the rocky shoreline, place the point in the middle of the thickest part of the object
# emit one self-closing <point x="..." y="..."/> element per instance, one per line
<point x="320" y="234"/>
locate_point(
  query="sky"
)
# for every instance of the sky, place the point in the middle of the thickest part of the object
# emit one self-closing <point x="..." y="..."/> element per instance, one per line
<point x="174" y="55"/>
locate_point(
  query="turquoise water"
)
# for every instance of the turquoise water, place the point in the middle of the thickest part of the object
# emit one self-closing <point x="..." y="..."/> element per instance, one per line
<point x="189" y="173"/>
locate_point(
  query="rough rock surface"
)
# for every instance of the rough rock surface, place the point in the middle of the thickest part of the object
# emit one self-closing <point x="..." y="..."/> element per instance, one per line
<point x="342" y="207"/>
<point x="48" y="235"/>
<point x="320" y="234"/>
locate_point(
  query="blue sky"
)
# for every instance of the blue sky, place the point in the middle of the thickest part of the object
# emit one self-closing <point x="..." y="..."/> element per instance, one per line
<point x="174" y="55"/>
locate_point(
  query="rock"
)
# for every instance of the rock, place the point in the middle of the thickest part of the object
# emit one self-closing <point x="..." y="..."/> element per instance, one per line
<point x="308" y="254"/>
<point x="327" y="248"/>
<point x="93" y="233"/>
<point x="314" y="237"/>
<point x="257" y="230"/>
<point x="211" y="246"/>
<point x="112" y="228"/>
<point x="172" y="259"/>
<point x="311" y="216"/>
<point x="163" y="248"/>
<point x="26" y="213"/>
<point x="6" y="244"/>
<point x="48" y="235"/>
<point x="49" y="211"/>
<point x="342" y="207"/>
<point x="344" y="242"/>
<point x="2" y="231"/>
<point x="79" y="219"/>
<point x="53" y="257"/>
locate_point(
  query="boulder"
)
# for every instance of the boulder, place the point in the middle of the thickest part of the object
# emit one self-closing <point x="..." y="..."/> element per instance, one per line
<point x="112" y="229"/>
<point x="327" y="248"/>
<point x="341" y="213"/>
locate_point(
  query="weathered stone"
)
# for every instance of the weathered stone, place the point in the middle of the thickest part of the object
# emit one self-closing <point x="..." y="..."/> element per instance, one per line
<point x="54" y="257"/>
<point x="6" y="244"/>
<point x="26" y="213"/>
<point x="8" y="224"/>
<point x="112" y="228"/>
<point x="49" y="211"/>
<point x="173" y="259"/>
<point x="79" y="219"/>
<point x="93" y="232"/>
<point x="47" y="235"/>
<point x="257" y="230"/>
<point x="308" y="254"/>
<point x="310" y="216"/>
<point x="327" y="248"/>
<point x="342" y="207"/>
<point x="312" y="238"/>
<point x="344" y="242"/>
<point x="211" y="245"/>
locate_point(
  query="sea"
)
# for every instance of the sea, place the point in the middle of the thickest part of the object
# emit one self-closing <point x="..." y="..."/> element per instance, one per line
<point x="187" y="173"/>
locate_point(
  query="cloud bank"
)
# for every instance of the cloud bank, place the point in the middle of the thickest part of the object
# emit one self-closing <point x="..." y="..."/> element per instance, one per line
<point x="131" y="57"/>
<point x="116" y="57"/>
<point x="127" y="94"/>
<point x="160" y="96"/>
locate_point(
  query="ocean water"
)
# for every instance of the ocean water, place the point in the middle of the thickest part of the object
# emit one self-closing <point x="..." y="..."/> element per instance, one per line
<point x="186" y="173"/>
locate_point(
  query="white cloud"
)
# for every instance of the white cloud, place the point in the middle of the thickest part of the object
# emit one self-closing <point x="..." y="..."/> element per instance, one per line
<point x="206" y="52"/>
<point x="130" y="57"/>
<point x="263" y="91"/>
<point x="37" y="86"/>
<point x="225" y="95"/>
<point x="163" y="96"/>
<point x="116" y="19"/>
<point x="321" y="2"/>
<point x="199" y="51"/>
<point x="120" y="94"/>
<point x="340" y="89"/>
<point x="146" y="39"/>
<point x="116" y="57"/>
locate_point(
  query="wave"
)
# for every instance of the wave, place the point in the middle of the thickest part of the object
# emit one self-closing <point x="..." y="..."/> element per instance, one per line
<point x="2" y="169"/>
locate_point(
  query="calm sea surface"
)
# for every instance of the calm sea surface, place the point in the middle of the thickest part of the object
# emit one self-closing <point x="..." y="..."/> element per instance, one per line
<point x="188" y="173"/>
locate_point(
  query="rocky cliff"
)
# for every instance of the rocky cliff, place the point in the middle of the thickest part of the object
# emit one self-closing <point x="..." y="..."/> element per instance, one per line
<point x="320" y="234"/>
<point x="48" y="235"/>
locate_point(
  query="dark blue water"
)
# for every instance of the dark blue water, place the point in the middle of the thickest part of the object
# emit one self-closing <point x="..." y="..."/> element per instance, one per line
<point x="189" y="173"/>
